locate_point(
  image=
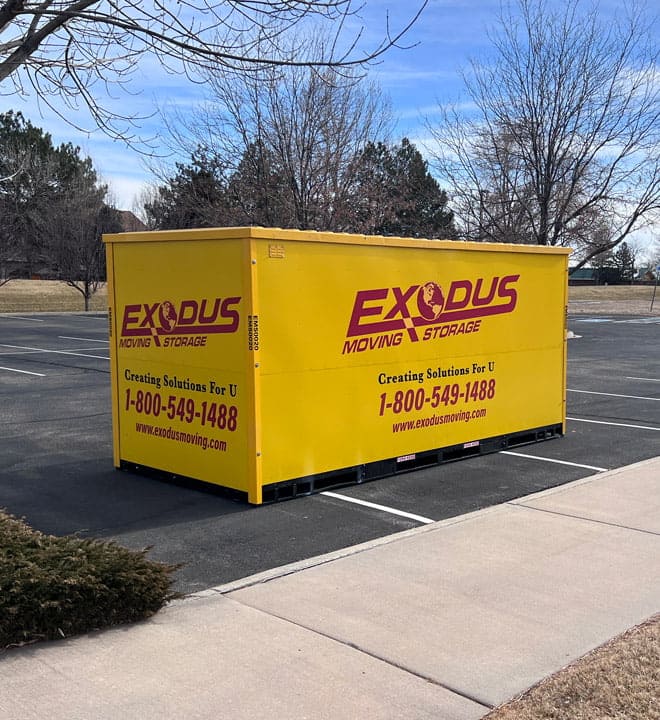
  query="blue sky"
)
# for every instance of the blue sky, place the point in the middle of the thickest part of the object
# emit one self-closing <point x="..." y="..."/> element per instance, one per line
<point x="448" y="34"/>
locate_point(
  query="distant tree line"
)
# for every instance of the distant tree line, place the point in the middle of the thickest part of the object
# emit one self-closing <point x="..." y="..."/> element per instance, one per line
<point x="386" y="190"/>
<point x="298" y="148"/>
<point x="555" y="142"/>
<point x="53" y="209"/>
<point x="618" y="267"/>
<point x="557" y="146"/>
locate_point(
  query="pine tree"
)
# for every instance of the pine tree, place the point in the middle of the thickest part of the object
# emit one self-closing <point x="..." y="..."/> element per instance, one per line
<point x="194" y="197"/>
<point x="52" y="207"/>
<point x="397" y="195"/>
<point x="624" y="260"/>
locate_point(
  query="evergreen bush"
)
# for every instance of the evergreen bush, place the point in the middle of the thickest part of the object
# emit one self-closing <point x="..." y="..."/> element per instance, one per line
<point x="53" y="587"/>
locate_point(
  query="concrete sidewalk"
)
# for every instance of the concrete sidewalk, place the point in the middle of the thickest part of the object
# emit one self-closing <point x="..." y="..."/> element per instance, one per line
<point x="443" y="622"/>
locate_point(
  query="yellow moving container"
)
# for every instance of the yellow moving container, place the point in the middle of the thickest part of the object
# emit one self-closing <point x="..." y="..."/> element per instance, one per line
<point x="277" y="362"/>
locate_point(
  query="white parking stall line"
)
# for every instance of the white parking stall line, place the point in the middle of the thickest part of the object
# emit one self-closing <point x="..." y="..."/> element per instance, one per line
<point x="613" y="424"/>
<point x="638" y="321"/>
<point x="632" y="321"/>
<point x="629" y="397"/>
<point x="55" y="352"/>
<point x="23" y="372"/>
<point x="553" y="460"/>
<point x="13" y="353"/>
<point x="18" y="317"/>
<point x="644" y="379"/>
<point x="66" y="337"/>
<point x="382" y="508"/>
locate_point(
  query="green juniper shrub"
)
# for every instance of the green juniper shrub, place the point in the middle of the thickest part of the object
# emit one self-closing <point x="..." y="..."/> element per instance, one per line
<point x="53" y="587"/>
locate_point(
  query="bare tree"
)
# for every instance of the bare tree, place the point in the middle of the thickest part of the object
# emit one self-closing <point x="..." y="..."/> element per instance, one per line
<point x="75" y="229"/>
<point x="71" y="48"/>
<point x="287" y="139"/>
<point x="653" y="256"/>
<point x="564" y="130"/>
<point x="491" y="192"/>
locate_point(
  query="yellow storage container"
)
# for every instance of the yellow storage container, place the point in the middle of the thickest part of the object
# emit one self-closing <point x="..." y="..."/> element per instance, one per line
<point x="278" y="362"/>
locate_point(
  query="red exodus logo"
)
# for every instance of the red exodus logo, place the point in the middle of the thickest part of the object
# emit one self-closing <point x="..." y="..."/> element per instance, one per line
<point x="189" y="317"/>
<point x="387" y="310"/>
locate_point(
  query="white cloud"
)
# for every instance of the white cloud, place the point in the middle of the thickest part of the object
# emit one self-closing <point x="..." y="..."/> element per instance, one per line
<point x="125" y="191"/>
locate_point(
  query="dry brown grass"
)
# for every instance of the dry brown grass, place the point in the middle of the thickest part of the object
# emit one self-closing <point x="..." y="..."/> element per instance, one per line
<point x="610" y="292"/>
<point x="46" y="296"/>
<point x="613" y="300"/>
<point x="54" y="296"/>
<point x="618" y="681"/>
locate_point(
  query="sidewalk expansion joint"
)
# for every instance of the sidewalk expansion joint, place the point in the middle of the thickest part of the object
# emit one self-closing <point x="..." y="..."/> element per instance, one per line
<point x="354" y="646"/>
<point x="585" y="519"/>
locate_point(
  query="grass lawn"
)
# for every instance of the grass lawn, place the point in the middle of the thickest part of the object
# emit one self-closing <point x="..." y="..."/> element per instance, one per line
<point x="55" y="296"/>
<point x="19" y="296"/>
<point x="618" y="681"/>
<point x="610" y="292"/>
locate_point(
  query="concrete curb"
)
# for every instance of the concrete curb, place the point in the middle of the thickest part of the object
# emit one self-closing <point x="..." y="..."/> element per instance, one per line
<point x="300" y="565"/>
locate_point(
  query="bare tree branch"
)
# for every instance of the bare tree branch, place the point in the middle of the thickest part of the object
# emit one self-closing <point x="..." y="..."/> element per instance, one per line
<point x="566" y="134"/>
<point x="65" y="48"/>
<point x="287" y="139"/>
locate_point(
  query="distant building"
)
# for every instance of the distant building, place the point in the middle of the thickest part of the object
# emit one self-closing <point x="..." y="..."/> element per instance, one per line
<point x="130" y="222"/>
<point x="646" y="274"/>
<point x="583" y="276"/>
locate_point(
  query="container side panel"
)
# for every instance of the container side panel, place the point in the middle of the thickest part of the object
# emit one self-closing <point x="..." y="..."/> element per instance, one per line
<point x="369" y="353"/>
<point x="182" y="390"/>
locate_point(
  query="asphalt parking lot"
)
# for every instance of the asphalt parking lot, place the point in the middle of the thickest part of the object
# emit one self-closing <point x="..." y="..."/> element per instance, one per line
<point x="56" y="457"/>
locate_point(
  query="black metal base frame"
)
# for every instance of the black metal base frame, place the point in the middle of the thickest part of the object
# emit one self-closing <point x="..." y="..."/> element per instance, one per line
<point x="357" y="474"/>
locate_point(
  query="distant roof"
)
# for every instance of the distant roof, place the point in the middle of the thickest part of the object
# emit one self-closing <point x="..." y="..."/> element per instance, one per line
<point x="582" y="274"/>
<point x="130" y="222"/>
